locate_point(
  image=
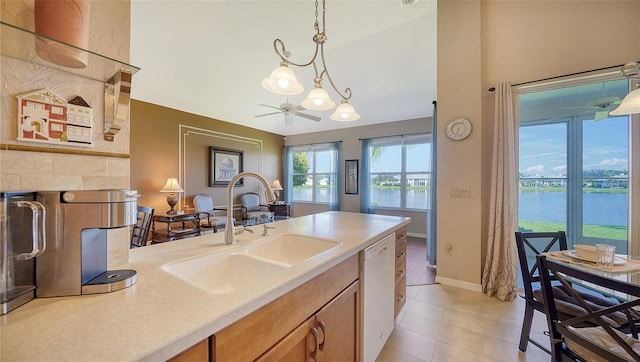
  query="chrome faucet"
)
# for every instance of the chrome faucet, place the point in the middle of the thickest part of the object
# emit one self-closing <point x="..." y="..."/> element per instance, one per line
<point x="230" y="231"/>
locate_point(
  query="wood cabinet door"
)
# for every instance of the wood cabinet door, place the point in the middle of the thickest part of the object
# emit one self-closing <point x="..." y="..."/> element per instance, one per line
<point x="296" y="346"/>
<point x="339" y="320"/>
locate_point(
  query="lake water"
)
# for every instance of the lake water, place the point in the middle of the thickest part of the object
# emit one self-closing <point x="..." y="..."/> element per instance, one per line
<point x="599" y="208"/>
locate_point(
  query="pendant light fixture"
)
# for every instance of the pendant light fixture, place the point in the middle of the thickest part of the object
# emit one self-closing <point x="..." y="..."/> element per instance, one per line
<point x="631" y="103"/>
<point x="283" y="81"/>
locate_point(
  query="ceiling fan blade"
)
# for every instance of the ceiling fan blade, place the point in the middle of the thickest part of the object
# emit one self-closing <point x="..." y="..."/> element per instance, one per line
<point x="267" y="114"/>
<point x="266" y="105"/>
<point x="297" y="108"/>
<point x="600" y="115"/>
<point x="307" y="116"/>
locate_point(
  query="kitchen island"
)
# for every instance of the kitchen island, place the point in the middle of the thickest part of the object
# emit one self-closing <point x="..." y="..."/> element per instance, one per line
<point x="162" y="315"/>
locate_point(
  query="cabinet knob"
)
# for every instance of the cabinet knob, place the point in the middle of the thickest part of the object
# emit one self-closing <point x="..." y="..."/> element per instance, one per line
<point x="401" y="255"/>
<point x="400" y="273"/>
<point x="400" y="298"/>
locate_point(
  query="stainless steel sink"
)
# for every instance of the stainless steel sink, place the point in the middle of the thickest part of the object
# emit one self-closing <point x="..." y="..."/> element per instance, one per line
<point x="237" y="268"/>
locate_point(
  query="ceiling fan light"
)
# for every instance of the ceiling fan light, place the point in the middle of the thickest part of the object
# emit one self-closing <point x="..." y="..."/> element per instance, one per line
<point x="630" y="104"/>
<point x="318" y="100"/>
<point x="282" y="81"/>
<point x="345" y="113"/>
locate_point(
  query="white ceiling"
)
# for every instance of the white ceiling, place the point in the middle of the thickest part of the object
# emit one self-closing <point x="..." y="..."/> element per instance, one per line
<point x="208" y="57"/>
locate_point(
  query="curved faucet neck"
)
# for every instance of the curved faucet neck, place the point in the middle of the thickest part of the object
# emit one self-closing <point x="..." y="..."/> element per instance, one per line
<point x="229" y="230"/>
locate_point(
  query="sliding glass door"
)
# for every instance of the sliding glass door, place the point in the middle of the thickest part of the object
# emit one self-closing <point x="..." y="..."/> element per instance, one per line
<point x="574" y="163"/>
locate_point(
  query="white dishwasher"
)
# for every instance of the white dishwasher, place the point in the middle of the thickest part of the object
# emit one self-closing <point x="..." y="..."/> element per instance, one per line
<point x="378" y="275"/>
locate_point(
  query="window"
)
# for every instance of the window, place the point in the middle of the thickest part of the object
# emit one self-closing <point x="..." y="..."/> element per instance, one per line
<point x="314" y="171"/>
<point x="398" y="172"/>
<point x="574" y="166"/>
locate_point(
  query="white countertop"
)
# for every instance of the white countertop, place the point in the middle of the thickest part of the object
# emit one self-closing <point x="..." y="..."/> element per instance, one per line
<point x="162" y="315"/>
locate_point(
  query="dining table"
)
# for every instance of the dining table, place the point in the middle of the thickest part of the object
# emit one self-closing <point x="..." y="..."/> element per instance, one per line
<point x="626" y="269"/>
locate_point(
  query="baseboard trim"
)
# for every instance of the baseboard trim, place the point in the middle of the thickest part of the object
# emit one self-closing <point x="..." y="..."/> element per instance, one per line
<point x="459" y="284"/>
<point x="417" y="235"/>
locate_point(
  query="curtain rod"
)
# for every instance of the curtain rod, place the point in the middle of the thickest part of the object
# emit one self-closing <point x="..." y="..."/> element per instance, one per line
<point x="562" y="76"/>
<point x="313" y="144"/>
<point x="395" y="135"/>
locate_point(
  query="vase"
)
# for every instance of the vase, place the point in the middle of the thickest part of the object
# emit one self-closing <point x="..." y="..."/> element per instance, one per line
<point x="65" y="21"/>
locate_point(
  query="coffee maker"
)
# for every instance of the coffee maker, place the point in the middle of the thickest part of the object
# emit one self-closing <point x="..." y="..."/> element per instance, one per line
<point x="22" y="239"/>
<point x="77" y="225"/>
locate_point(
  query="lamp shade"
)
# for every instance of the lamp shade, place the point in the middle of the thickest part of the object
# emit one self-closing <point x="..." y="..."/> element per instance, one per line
<point x="275" y="186"/>
<point x="318" y="100"/>
<point x="172" y="185"/>
<point x="630" y="104"/>
<point x="282" y="81"/>
<point x="345" y="113"/>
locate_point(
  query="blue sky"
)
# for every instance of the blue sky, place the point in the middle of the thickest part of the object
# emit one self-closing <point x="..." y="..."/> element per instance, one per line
<point x="543" y="148"/>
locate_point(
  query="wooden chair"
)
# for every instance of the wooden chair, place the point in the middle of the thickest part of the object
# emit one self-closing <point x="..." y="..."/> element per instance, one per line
<point x="252" y="209"/>
<point x="529" y="245"/>
<point x="570" y="341"/>
<point x="140" y="232"/>
<point x="208" y="218"/>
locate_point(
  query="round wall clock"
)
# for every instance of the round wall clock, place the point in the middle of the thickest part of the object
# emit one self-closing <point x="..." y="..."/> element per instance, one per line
<point x="458" y="129"/>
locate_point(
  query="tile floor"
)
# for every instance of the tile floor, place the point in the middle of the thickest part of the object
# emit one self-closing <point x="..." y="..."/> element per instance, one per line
<point x="441" y="323"/>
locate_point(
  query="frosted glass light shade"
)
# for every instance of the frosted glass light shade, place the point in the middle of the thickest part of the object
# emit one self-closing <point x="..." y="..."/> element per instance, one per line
<point x="318" y="100"/>
<point x="282" y="81"/>
<point x="345" y="113"/>
<point x="630" y="104"/>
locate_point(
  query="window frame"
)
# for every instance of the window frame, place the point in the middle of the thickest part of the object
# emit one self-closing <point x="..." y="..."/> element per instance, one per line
<point x="403" y="142"/>
<point x="314" y="149"/>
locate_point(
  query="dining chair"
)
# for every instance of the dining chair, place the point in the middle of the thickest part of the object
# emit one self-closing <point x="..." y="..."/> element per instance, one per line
<point x="203" y="204"/>
<point x="598" y="341"/>
<point x="252" y="209"/>
<point x="140" y="232"/>
<point x="530" y="244"/>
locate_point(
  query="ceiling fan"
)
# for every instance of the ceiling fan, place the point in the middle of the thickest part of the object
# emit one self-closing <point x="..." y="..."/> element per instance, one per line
<point x="602" y="106"/>
<point x="288" y="110"/>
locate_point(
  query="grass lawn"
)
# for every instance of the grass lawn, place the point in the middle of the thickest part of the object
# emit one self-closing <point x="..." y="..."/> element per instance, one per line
<point x="609" y="232"/>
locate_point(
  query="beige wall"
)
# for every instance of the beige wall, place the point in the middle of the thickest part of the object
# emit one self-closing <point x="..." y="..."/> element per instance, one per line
<point x="484" y="42"/>
<point x="166" y="142"/>
<point x="352" y="149"/>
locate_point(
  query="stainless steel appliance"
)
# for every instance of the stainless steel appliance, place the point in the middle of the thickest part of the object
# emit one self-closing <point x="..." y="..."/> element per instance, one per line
<point x="77" y="225"/>
<point x="22" y="239"/>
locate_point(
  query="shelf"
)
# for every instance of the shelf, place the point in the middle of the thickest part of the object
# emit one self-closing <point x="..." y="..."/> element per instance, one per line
<point x="19" y="43"/>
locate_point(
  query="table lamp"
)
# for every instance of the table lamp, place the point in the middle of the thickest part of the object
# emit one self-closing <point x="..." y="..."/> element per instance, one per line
<point x="276" y="187"/>
<point x="173" y="188"/>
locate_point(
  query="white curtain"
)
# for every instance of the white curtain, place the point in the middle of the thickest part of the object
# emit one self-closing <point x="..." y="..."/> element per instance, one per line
<point x="500" y="276"/>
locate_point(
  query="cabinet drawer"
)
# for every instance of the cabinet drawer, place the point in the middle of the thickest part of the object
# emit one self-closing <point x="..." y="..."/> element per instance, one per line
<point x="401" y="253"/>
<point x="401" y="236"/>
<point x="400" y="295"/>
<point x="401" y="270"/>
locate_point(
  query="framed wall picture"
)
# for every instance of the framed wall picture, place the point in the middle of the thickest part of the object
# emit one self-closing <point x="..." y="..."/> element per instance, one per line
<point x="224" y="164"/>
<point x="351" y="177"/>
